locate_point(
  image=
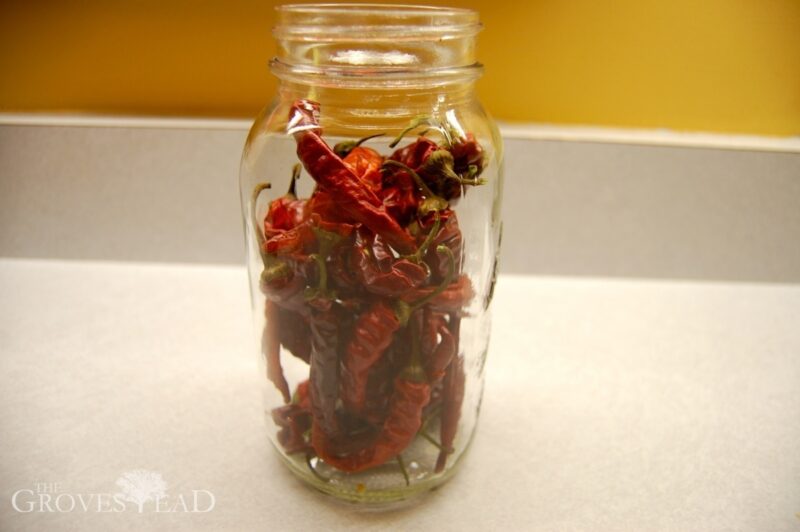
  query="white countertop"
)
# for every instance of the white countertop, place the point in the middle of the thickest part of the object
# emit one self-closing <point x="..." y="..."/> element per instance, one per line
<point x="609" y="405"/>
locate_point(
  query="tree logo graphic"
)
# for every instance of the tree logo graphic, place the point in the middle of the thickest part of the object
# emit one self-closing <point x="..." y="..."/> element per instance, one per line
<point x="140" y="486"/>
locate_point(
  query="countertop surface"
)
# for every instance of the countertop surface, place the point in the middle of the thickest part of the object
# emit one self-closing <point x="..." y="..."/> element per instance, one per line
<point x="609" y="405"/>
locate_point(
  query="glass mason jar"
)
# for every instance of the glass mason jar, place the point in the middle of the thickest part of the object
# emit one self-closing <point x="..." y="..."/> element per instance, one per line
<point x="371" y="195"/>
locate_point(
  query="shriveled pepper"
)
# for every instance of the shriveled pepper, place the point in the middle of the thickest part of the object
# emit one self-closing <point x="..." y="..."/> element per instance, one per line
<point x="383" y="275"/>
<point x="332" y="174"/>
<point x="324" y="204"/>
<point x="366" y="163"/>
<point x="291" y="242"/>
<point x="286" y="212"/>
<point x="287" y="292"/>
<point x="415" y="154"/>
<point x="294" y="420"/>
<point x="400" y="197"/>
<point x="295" y="334"/>
<point x="452" y="398"/>
<point x="271" y="346"/>
<point x="411" y="394"/>
<point x="454" y="298"/>
<point x="449" y="234"/>
<point x="372" y="334"/>
<point x="437" y="355"/>
<point x="365" y="281"/>
<point x="446" y="169"/>
<point x="467" y="154"/>
<point x="324" y="370"/>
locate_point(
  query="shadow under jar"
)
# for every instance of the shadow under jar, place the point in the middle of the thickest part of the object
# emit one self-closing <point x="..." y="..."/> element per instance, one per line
<point x="371" y="193"/>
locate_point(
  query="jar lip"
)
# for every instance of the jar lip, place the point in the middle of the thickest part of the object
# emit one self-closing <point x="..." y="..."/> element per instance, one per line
<point x="383" y="22"/>
<point x="385" y="77"/>
<point x="345" y="7"/>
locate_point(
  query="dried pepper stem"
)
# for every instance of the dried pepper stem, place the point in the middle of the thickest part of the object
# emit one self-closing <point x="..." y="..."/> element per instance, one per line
<point x="342" y="149"/>
<point x="426" y="191"/>
<point x="403" y="469"/>
<point x="404" y="309"/>
<point x="261" y="187"/>
<point x="423" y="120"/>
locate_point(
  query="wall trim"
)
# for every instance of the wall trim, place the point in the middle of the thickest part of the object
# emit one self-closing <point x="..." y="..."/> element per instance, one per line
<point x="553" y="132"/>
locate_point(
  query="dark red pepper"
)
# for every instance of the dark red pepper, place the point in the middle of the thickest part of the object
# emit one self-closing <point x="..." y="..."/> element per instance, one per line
<point x="295" y="334"/>
<point x="290" y="242"/>
<point x="467" y="154"/>
<point x="452" y="398"/>
<point x="438" y="345"/>
<point x="454" y="298"/>
<point x="372" y="334"/>
<point x="271" y="345"/>
<point x="363" y="282"/>
<point x="415" y="154"/>
<point x="333" y="175"/>
<point x="286" y="212"/>
<point x="366" y="163"/>
<point x="448" y="234"/>
<point x="382" y="275"/>
<point x="410" y="396"/>
<point x="324" y="370"/>
<point x="294" y="420"/>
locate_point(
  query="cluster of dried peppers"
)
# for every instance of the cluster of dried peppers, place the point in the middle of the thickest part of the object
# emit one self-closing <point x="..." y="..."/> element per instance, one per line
<point x="363" y="282"/>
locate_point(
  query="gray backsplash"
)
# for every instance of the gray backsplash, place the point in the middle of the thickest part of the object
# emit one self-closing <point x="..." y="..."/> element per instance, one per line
<point x="571" y="207"/>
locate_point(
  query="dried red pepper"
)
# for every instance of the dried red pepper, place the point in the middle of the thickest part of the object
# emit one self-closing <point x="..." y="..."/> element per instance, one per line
<point x="453" y="397"/>
<point x="295" y="334"/>
<point x="294" y="420"/>
<point x="366" y="163"/>
<point x="272" y="350"/>
<point x="380" y="274"/>
<point x="445" y="170"/>
<point x="410" y="396"/>
<point x="453" y="298"/>
<point x="324" y="370"/>
<point x="437" y="355"/>
<point x="363" y="283"/>
<point x="286" y="212"/>
<point x="332" y="174"/>
<point x="372" y="335"/>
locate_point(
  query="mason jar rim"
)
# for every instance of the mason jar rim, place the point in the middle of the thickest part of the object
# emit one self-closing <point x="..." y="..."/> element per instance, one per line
<point x="375" y="77"/>
<point x="360" y="22"/>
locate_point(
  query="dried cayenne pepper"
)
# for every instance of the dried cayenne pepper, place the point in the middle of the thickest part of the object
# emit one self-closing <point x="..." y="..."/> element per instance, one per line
<point x="363" y="283"/>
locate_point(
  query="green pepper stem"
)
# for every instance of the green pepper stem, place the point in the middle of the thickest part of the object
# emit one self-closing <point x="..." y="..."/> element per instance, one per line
<point x="414" y="371"/>
<point x="343" y="149"/>
<point x="256" y="225"/>
<point x="423" y="120"/>
<point x="403" y="310"/>
<point x="417" y="179"/>
<point x="403" y="469"/>
<point x="323" y="272"/>
<point x="451" y="272"/>
<point x="472" y="176"/>
<point x="423" y="248"/>
<point x="327" y="240"/>
<point x="430" y="438"/>
<point x="431" y="414"/>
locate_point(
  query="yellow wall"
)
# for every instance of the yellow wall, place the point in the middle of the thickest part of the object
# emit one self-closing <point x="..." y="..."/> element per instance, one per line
<point x="713" y="65"/>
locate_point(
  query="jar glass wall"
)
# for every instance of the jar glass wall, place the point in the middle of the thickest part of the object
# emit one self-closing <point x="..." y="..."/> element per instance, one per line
<point x="372" y="265"/>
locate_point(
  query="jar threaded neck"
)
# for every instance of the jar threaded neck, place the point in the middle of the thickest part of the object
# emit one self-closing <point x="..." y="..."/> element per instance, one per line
<point x="374" y="45"/>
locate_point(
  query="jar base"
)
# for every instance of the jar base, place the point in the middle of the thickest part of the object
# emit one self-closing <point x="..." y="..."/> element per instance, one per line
<point x="347" y="490"/>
